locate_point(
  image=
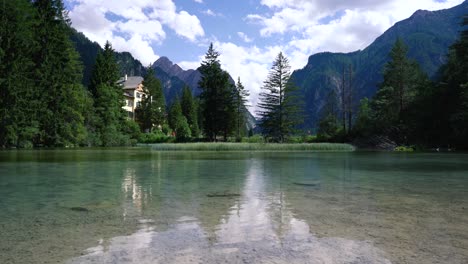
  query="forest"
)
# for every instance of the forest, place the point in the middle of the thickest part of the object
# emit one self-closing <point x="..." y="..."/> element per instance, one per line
<point x="44" y="103"/>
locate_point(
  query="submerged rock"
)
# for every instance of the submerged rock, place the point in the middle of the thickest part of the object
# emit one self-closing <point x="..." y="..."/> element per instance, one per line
<point x="306" y="184"/>
<point x="79" y="209"/>
<point x="223" y="195"/>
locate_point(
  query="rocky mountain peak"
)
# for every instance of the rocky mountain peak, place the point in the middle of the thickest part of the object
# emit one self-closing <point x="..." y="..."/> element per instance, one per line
<point x="168" y="66"/>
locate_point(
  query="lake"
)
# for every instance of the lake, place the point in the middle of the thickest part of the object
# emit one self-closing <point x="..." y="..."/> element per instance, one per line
<point x="136" y="205"/>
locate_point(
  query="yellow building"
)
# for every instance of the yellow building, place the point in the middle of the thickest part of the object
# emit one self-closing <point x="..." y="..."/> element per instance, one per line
<point x="133" y="91"/>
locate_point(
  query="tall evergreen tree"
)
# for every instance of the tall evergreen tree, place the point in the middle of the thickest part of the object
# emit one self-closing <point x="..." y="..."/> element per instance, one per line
<point x="57" y="78"/>
<point x="280" y="106"/>
<point x="328" y="124"/>
<point x="178" y="122"/>
<point x="397" y="92"/>
<point x="453" y="92"/>
<point x="108" y="99"/>
<point x="152" y="110"/>
<point x="189" y="110"/>
<point x="240" y="102"/>
<point x="18" y="104"/>
<point x="216" y="97"/>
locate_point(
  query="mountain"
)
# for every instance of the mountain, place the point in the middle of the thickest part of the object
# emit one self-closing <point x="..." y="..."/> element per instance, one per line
<point x="88" y="51"/>
<point x="427" y="34"/>
<point x="173" y="78"/>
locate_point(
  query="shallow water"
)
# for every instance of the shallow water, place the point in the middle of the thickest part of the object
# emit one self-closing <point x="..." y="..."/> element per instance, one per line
<point x="142" y="206"/>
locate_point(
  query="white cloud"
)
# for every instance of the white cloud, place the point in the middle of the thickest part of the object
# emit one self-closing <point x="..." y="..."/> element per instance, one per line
<point x="210" y="12"/>
<point x="244" y="37"/>
<point x="128" y="27"/>
<point x="334" y="25"/>
<point x="198" y="1"/>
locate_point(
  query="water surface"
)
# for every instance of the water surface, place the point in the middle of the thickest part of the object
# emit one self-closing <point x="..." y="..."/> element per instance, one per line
<point x="142" y="206"/>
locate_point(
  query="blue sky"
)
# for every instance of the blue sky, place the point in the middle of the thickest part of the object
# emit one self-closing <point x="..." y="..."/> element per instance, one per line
<point x="247" y="33"/>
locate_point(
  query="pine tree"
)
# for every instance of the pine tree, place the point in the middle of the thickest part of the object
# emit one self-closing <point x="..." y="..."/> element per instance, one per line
<point x="402" y="78"/>
<point x="108" y="100"/>
<point x="240" y="102"/>
<point x="280" y="106"/>
<point x="152" y="110"/>
<point x="453" y="92"/>
<point x="57" y="78"/>
<point x="178" y="122"/>
<point x="328" y="124"/>
<point x="18" y="105"/>
<point x="216" y="97"/>
<point x="189" y="110"/>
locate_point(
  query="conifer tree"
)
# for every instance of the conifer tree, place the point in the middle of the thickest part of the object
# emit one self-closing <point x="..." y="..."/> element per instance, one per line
<point x="58" y="78"/>
<point x="18" y="105"/>
<point x="453" y="92"/>
<point x="152" y="110"/>
<point x="280" y="106"/>
<point x="108" y="99"/>
<point x="216" y="97"/>
<point x="328" y="123"/>
<point x="178" y="122"/>
<point x="189" y="110"/>
<point x="402" y="79"/>
<point x="240" y="102"/>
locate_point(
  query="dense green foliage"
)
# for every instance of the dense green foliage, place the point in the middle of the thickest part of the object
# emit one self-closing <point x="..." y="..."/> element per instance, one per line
<point x="42" y="100"/>
<point x="109" y="123"/>
<point x="411" y="110"/>
<point x="18" y="102"/>
<point x="151" y="112"/>
<point x="216" y="97"/>
<point x="280" y="105"/>
<point x="178" y="122"/>
<point x="452" y="92"/>
<point x="189" y="111"/>
<point x="240" y="103"/>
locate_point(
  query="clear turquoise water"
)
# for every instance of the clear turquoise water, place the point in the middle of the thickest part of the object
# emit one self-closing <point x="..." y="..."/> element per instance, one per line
<point x="142" y="206"/>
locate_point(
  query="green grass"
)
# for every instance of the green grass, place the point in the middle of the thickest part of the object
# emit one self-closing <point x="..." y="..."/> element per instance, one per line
<point x="252" y="147"/>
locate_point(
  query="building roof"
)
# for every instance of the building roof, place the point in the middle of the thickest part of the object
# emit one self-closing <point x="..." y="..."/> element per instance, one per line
<point x="127" y="94"/>
<point x="132" y="82"/>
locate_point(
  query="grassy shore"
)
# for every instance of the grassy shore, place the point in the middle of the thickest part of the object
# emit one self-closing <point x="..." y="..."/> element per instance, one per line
<point x="252" y="147"/>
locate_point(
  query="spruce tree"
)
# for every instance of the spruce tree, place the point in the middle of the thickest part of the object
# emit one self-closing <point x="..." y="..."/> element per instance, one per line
<point x="328" y="127"/>
<point x="216" y="97"/>
<point x="453" y="92"/>
<point x="152" y="110"/>
<point x="178" y="122"/>
<point x="240" y="102"/>
<point x="18" y="104"/>
<point x="402" y="79"/>
<point x="280" y="106"/>
<point x="108" y="100"/>
<point x="189" y="110"/>
<point x="57" y="78"/>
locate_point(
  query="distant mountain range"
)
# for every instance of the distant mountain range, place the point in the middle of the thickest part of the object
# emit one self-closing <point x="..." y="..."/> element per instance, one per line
<point x="427" y="34"/>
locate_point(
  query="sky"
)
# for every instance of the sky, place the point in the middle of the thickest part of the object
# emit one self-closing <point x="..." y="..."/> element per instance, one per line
<point x="249" y="34"/>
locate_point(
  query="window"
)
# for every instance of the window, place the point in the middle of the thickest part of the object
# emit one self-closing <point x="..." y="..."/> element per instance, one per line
<point x="129" y="103"/>
<point x="138" y="95"/>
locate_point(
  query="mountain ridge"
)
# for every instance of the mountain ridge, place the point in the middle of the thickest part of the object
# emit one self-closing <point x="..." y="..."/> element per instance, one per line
<point x="428" y="35"/>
